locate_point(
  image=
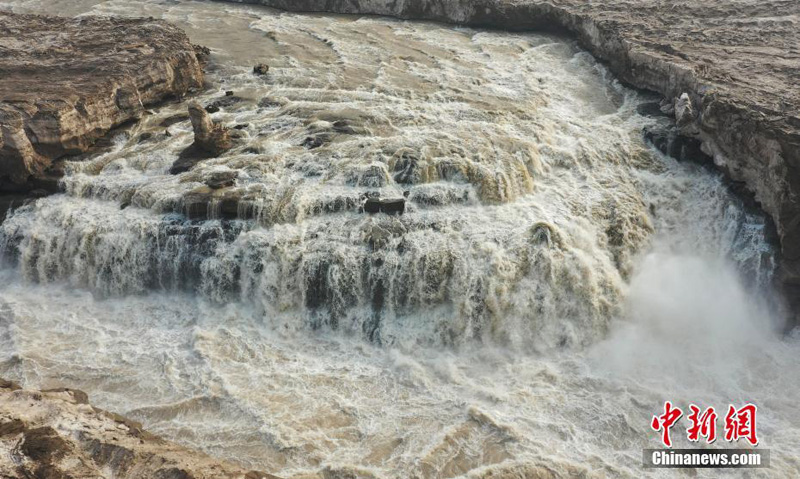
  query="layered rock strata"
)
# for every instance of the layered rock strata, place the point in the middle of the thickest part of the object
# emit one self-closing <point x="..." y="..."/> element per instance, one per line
<point x="58" y="434"/>
<point x="65" y="82"/>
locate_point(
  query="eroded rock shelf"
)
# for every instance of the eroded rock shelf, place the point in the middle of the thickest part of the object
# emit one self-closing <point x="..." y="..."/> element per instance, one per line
<point x="66" y="82"/>
<point x="57" y="433"/>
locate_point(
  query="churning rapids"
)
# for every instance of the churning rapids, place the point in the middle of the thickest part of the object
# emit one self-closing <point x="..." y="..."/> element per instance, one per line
<point x="552" y="282"/>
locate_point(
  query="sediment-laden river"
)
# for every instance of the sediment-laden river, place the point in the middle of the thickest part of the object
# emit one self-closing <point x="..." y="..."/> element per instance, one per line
<point x="552" y="281"/>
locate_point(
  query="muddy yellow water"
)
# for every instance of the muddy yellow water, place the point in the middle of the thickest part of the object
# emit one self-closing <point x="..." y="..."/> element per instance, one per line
<point x="552" y="281"/>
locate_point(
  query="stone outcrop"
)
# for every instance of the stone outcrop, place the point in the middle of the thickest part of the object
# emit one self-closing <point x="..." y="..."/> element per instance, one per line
<point x="58" y="434"/>
<point x="390" y="206"/>
<point x="210" y="140"/>
<point x="65" y="82"/>
<point x="209" y="137"/>
<point x="729" y="70"/>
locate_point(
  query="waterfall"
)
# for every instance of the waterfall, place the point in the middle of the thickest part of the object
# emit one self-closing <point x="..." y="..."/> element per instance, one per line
<point x="552" y="278"/>
<point x="528" y="193"/>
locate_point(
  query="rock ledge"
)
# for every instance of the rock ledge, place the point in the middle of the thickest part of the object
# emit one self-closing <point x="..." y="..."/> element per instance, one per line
<point x="58" y="434"/>
<point x="65" y="82"/>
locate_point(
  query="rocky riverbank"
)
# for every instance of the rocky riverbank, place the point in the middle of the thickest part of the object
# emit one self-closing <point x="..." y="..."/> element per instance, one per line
<point x="65" y="82"/>
<point x="57" y="434"/>
<point x="735" y="64"/>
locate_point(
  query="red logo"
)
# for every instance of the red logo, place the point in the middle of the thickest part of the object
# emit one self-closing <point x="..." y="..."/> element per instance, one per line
<point x="665" y="422"/>
<point x="702" y="424"/>
<point x="739" y="423"/>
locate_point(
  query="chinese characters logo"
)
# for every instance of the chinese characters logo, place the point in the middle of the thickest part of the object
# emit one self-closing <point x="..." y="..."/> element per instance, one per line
<point x="739" y="423"/>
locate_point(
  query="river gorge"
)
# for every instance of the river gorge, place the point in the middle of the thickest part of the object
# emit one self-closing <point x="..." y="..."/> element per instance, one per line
<point x="432" y="251"/>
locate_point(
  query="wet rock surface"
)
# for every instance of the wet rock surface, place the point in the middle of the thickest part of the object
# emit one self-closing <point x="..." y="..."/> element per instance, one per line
<point x="728" y="71"/>
<point x="210" y="140"/>
<point x="66" y="82"/>
<point x="390" y="206"/>
<point x="208" y="136"/>
<point x="56" y="433"/>
<point x="8" y="203"/>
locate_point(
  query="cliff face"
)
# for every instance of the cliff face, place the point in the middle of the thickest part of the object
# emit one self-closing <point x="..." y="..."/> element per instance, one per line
<point x="66" y="82"/>
<point x="738" y="64"/>
<point x="58" y="434"/>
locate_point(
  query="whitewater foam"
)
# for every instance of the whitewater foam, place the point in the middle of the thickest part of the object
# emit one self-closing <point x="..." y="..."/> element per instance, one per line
<point x="552" y="281"/>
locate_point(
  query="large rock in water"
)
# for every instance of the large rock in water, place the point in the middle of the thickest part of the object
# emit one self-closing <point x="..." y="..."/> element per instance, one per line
<point x="730" y="68"/>
<point x="210" y="140"/>
<point x="209" y="137"/>
<point x="57" y="434"/>
<point x="65" y="82"/>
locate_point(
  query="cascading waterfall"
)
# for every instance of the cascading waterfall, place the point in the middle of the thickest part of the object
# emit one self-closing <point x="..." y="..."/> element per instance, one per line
<point x="522" y="195"/>
<point x="537" y="221"/>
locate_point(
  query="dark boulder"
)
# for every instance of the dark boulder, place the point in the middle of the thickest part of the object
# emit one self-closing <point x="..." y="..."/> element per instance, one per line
<point x="395" y="206"/>
<point x="39" y="193"/>
<point x="407" y="170"/>
<point x="187" y="159"/>
<point x="221" y="179"/>
<point x="225" y="102"/>
<point x="390" y="206"/>
<point x="315" y="141"/>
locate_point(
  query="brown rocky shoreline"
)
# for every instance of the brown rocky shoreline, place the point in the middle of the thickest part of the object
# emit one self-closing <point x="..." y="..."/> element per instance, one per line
<point x="66" y="82"/>
<point x="735" y="64"/>
<point x="57" y="434"/>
